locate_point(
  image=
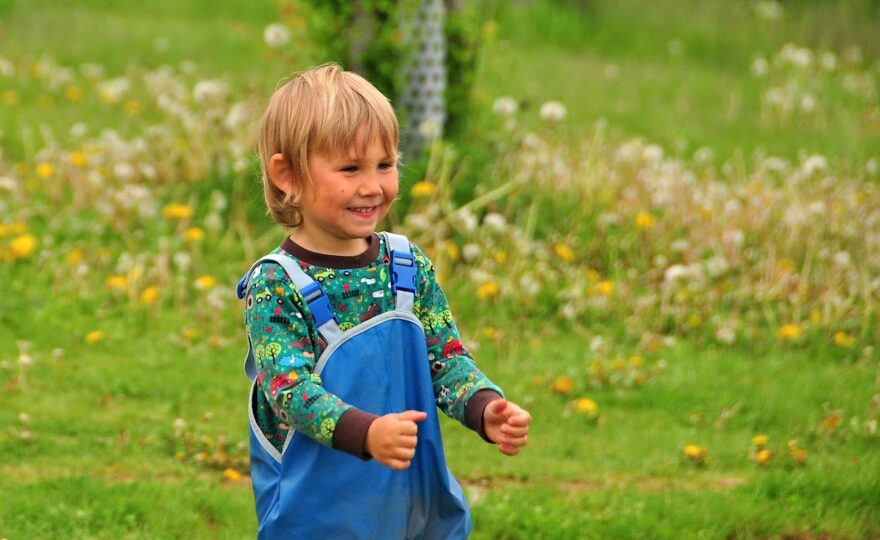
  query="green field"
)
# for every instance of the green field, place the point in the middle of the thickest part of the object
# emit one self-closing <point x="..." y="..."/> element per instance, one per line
<point x="690" y="259"/>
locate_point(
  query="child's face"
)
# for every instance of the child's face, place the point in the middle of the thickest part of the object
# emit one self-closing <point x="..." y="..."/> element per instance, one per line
<point x="348" y="198"/>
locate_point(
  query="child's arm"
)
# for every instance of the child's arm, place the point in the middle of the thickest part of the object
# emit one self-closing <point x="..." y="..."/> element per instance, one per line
<point x="507" y="425"/>
<point x="463" y="392"/>
<point x="285" y="353"/>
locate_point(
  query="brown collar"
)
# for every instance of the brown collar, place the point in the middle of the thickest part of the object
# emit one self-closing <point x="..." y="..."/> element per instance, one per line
<point x="334" y="261"/>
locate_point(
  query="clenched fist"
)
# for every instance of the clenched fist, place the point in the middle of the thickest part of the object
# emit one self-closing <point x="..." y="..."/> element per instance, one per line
<point x="391" y="439"/>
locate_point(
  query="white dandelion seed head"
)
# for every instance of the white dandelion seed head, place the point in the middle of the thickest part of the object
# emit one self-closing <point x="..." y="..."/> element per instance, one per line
<point x="182" y="260"/>
<point x="808" y="103"/>
<point x="470" y="252"/>
<point x="210" y="91"/>
<point x="814" y="164"/>
<point x="276" y="35"/>
<point x="842" y="258"/>
<point x="679" y="245"/>
<point x="495" y="221"/>
<point x="552" y="111"/>
<point x="123" y="171"/>
<point x="717" y="266"/>
<point x="505" y="106"/>
<point x="760" y="67"/>
<point x="769" y="10"/>
<point x="725" y="335"/>
<point x="828" y="61"/>
<point x="430" y="128"/>
<point x="7" y="68"/>
<point x="653" y="154"/>
<point x="25" y="360"/>
<point x="467" y="221"/>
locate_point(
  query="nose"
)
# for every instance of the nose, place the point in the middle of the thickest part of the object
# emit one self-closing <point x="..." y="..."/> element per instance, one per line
<point x="369" y="185"/>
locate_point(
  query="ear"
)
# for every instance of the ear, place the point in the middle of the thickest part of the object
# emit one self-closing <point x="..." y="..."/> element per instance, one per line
<point x="281" y="174"/>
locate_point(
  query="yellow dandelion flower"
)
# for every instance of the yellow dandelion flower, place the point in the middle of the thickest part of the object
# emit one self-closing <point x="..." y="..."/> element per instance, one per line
<point x="488" y="290"/>
<point x="11" y="98"/>
<point x="132" y="107"/>
<point x="5" y="229"/>
<point x="695" y="452"/>
<point x="760" y="440"/>
<point x="564" y="252"/>
<point x="635" y="361"/>
<point x="45" y="170"/>
<point x="194" y="234"/>
<point x="789" y="332"/>
<point x="452" y="250"/>
<point x="23" y="245"/>
<point x="604" y="288"/>
<point x="423" y="189"/>
<point x="798" y="454"/>
<point x="586" y="406"/>
<point x="490" y="332"/>
<point x="78" y="159"/>
<point x="763" y="456"/>
<point x="786" y="265"/>
<point x="232" y="475"/>
<point x="177" y="211"/>
<point x="205" y="282"/>
<point x="844" y="340"/>
<point x="815" y="316"/>
<point x="644" y="221"/>
<point x="73" y="94"/>
<point x="94" y="337"/>
<point x="75" y="256"/>
<point x="149" y="295"/>
<point x="500" y="256"/>
<point x="562" y="385"/>
<point x="117" y="282"/>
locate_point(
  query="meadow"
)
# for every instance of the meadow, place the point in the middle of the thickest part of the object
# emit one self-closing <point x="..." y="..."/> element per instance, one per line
<point x="660" y="232"/>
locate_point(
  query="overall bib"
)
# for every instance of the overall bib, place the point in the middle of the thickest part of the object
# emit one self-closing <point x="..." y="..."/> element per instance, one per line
<point x="380" y="366"/>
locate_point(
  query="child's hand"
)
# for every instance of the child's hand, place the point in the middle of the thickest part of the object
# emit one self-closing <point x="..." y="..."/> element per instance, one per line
<point x="391" y="439"/>
<point x="507" y="425"/>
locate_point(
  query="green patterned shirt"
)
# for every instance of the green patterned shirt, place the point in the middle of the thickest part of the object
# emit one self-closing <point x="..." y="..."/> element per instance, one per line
<point x="286" y="344"/>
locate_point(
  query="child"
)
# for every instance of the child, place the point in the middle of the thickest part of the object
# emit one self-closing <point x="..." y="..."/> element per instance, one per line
<point x="352" y="343"/>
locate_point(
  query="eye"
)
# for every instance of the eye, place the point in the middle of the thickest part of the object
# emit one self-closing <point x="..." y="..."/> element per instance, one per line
<point x="349" y="169"/>
<point x="385" y="165"/>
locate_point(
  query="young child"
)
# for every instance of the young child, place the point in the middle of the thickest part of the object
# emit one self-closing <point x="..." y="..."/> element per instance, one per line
<point x="352" y="343"/>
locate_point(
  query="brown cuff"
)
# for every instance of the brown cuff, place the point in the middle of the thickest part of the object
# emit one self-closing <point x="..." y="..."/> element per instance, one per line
<point x="473" y="411"/>
<point x="351" y="432"/>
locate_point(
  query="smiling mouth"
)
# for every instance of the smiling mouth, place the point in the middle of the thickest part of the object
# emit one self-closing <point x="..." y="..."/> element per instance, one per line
<point x="363" y="209"/>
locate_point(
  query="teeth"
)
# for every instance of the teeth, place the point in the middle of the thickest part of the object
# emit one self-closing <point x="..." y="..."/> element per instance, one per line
<point x="364" y="210"/>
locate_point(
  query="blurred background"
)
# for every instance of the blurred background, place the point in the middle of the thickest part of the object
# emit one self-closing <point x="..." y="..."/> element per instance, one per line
<point x="658" y="224"/>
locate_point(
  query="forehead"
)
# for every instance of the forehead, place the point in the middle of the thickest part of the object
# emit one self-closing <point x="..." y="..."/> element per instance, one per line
<point x="361" y="147"/>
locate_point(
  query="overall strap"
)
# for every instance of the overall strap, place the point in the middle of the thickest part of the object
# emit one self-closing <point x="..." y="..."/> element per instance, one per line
<point x="403" y="271"/>
<point x="312" y="293"/>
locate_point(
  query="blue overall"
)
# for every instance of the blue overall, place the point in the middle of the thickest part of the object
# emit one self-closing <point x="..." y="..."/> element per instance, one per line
<point x="380" y="366"/>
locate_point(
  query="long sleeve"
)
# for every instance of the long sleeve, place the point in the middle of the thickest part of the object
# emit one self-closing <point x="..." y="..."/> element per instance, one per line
<point x="285" y="352"/>
<point x="462" y="391"/>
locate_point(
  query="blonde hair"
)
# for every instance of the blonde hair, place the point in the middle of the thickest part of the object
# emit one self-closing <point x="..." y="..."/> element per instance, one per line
<point x="324" y="110"/>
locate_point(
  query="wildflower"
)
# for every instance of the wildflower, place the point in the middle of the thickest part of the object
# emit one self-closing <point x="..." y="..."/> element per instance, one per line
<point x="760" y="67"/>
<point x="618" y="364"/>
<point x="73" y="94"/>
<point x="564" y="252"/>
<point x="695" y="453"/>
<point x="177" y="211"/>
<point x="814" y="164"/>
<point x="760" y="440"/>
<point x="789" y="332"/>
<point x="23" y="245"/>
<point x="179" y="424"/>
<point x="11" y="98"/>
<point x="644" y="221"/>
<point x="635" y="361"/>
<point x="470" y="252"/>
<point x="844" y="340"/>
<point x="562" y="385"/>
<point x="209" y="91"/>
<point x="490" y="332"/>
<point x="500" y="256"/>
<point x="117" y="282"/>
<point x="725" y="335"/>
<point x="232" y="475"/>
<point x="452" y="250"/>
<point x="112" y="91"/>
<point x="24" y="418"/>
<point x="78" y="159"/>
<point x="605" y="288"/>
<point x="798" y="454"/>
<point x="504" y="106"/>
<point x="422" y="189"/>
<point x="552" y="111"/>
<point x="205" y="282"/>
<point x="831" y="421"/>
<point x="94" y="336"/>
<point x="495" y="221"/>
<point x="586" y="406"/>
<point x="488" y="290"/>
<point x="276" y="35"/>
<point x="45" y="170"/>
<point x="75" y="256"/>
<point x="25" y="361"/>
<point x="149" y="295"/>
<point x="132" y="107"/>
<point x="763" y="456"/>
<point x="194" y="234"/>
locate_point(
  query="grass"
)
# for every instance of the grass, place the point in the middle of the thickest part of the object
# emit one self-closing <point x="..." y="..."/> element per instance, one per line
<point x="97" y="456"/>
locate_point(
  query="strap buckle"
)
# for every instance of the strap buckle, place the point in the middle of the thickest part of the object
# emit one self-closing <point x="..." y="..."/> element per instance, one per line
<point x="403" y="272"/>
<point x="319" y="304"/>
